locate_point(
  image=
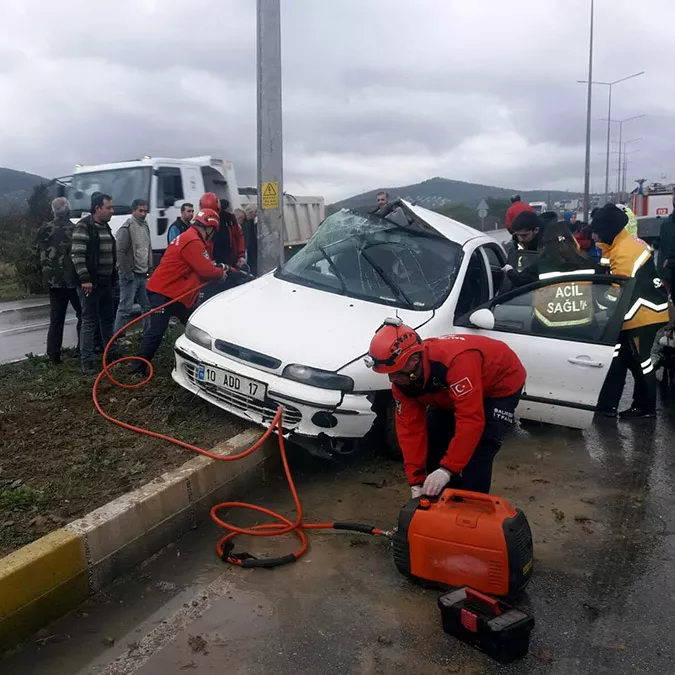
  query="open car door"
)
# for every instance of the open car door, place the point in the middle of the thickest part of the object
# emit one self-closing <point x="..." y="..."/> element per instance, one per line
<point x="566" y="367"/>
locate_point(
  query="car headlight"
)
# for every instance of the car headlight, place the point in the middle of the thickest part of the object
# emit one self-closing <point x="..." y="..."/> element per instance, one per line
<point x="198" y="336"/>
<point x="323" y="379"/>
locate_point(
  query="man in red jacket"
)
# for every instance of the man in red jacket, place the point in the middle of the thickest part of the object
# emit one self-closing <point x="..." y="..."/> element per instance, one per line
<point x="185" y="265"/>
<point x="516" y="208"/>
<point x="476" y="378"/>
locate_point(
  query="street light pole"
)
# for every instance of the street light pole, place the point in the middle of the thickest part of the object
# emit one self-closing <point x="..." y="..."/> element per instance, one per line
<point x="609" y="86"/>
<point x="609" y="131"/>
<point x="587" y="167"/>
<point x="620" y="123"/>
<point x="270" y="234"/>
<point x="625" y="160"/>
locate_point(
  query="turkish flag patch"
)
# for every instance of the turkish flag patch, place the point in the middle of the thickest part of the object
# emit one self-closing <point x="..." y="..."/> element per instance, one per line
<point x="462" y="387"/>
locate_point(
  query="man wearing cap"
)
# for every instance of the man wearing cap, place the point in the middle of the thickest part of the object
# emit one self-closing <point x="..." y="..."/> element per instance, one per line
<point x="471" y="386"/>
<point x="627" y="256"/>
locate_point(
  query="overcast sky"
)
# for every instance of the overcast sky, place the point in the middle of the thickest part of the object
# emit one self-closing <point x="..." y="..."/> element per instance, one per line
<point x="376" y="92"/>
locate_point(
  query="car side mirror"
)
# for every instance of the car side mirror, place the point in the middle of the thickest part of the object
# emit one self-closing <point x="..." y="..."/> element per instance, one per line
<point x="482" y="318"/>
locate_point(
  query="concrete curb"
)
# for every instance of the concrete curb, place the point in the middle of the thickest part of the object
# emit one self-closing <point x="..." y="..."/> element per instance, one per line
<point x="26" y="310"/>
<point x="51" y="576"/>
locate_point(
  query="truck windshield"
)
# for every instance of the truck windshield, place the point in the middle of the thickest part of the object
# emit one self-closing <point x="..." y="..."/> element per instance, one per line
<point x="123" y="185"/>
<point x="368" y="257"/>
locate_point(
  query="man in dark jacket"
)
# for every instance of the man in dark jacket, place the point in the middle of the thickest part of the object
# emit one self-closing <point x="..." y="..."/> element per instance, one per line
<point x="665" y="266"/>
<point x="94" y="257"/>
<point x="250" y="229"/>
<point x="524" y="250"/>
<point x="54" y="242"/>
<point x="181" y="224"/>
<point x="229" y="245"/>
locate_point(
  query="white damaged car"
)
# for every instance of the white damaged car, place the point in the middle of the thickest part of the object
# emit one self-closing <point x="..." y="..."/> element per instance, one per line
<point x="297" y="336"/>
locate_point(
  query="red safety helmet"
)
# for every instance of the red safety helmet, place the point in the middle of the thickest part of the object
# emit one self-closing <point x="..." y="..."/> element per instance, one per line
<point x="391" y="347"/>
<point x="208" y="218"/>
<point x="209" y="200"/>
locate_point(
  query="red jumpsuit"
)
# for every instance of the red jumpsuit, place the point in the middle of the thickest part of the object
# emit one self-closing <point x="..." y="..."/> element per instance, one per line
<point x="477" y="378"/>
<point x="186" y="264"/>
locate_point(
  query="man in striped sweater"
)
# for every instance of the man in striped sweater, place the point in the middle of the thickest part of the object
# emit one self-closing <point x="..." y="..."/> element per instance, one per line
<point x="94" y="257"/>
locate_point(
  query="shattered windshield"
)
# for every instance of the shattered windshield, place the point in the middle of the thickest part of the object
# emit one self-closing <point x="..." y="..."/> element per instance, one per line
<point x="123" y="185"/>
<point x="368" y="257"/>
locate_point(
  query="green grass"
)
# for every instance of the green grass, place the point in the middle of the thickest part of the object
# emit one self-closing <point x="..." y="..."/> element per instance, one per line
<point x="21" y="498"/>
<point x="59" y="459"/>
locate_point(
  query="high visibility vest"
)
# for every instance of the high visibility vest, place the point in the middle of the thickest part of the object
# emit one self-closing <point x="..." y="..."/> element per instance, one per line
<point x="567" y="304"/>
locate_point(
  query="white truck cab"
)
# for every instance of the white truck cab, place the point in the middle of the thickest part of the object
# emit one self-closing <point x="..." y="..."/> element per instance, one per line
<point x="168" y="183"/>
<point x="164" y="182"/>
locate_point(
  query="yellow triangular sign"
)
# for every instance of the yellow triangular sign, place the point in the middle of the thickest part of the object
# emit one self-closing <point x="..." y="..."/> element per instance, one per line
<point x="270" y="190"/>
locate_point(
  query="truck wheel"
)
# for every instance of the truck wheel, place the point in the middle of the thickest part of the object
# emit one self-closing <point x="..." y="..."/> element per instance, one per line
<point x="383" y="433"/>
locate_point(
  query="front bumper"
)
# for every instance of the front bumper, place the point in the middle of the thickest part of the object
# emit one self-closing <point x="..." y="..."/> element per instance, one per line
<point x="344" y="416"/>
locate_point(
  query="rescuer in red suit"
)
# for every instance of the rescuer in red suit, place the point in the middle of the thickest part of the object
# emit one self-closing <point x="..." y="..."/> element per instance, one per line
<point x="471" y="385"/>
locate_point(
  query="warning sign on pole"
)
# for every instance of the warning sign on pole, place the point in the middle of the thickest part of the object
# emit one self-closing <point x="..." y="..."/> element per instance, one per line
<point x="270" y="195"/>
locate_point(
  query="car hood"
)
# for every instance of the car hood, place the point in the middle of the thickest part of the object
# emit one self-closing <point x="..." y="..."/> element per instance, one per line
<point x="297" y="324"/>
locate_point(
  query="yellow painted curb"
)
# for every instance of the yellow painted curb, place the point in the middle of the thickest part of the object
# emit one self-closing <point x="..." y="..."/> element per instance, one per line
<point x="39" y="582"/>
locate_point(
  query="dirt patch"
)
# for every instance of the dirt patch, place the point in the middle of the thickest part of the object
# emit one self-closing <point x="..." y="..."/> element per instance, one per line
<point x="59" y="459"/>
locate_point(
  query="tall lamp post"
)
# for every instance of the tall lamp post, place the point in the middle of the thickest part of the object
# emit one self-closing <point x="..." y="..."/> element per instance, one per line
<point x="625" y="160"/>
<point x="609" y="85"/>
<point x="621" y="123"/>
<point x="587" y="166"/>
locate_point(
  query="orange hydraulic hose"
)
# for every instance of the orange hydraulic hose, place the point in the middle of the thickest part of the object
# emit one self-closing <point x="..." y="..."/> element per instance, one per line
<point x="224" y="546"/>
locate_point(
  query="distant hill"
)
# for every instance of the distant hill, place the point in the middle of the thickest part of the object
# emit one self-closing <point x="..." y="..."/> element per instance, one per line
<point x="436" y="192"/>
<point x="16" y="186"/>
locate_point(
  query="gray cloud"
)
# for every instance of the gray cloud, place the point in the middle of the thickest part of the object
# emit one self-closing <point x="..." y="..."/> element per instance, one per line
<point x="375" y="92"/>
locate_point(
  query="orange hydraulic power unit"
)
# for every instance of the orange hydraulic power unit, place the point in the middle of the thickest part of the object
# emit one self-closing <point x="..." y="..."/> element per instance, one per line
<point x="464" y="539"/>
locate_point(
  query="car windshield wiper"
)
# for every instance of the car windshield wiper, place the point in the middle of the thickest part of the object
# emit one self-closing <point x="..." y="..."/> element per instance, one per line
<point x="336" y="271"/>
<point x="387" y="280"/>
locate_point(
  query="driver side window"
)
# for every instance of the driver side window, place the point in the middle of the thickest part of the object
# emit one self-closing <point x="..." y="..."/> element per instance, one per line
<point x="578" y="310"/>
<point x="169" y="186"/>
<point x="475" y="289"/>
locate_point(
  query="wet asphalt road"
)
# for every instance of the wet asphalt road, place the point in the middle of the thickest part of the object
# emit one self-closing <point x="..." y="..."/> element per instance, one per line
<point x="602" y="510"/>
<point x="23" y="329"/>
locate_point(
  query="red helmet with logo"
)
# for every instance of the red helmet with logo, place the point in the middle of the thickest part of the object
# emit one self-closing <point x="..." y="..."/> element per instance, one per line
<point x="209" y="200"/>
<point x="208" y="218"/>
<point x="391" y="347"/>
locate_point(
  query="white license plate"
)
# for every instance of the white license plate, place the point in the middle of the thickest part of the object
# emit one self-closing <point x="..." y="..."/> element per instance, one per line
<point x="232" y="382"/>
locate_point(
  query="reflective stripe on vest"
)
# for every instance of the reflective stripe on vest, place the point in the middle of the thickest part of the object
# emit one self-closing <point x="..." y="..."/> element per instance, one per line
<point x="641" y="302"/>
<point x="553" y="275"/>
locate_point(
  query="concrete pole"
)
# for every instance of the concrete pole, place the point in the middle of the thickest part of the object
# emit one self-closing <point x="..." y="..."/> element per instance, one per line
<point x="270" y="233"/>
<point x="587" y="168"/>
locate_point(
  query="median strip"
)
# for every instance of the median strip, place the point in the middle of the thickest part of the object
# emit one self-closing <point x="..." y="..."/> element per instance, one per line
<point x="54" y="574"/>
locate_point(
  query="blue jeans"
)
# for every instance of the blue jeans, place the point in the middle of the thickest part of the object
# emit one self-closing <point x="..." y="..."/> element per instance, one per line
<point x="131" y="290"/>
<point x="97" y="315"/>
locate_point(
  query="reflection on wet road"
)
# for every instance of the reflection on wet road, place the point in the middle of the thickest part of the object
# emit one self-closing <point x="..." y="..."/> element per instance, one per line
<point x="602" y="511"/>
<point x="24" y="331"/>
